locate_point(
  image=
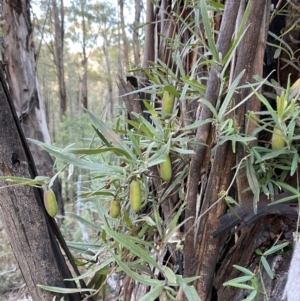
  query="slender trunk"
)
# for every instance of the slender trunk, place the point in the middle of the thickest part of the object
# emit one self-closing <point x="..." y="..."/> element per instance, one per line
<point x="59" y="55"/>
<point x="205" y="248"/>
<point x="84" y="95"/>
<point x="124" y="37"/>
<point x="109" y="78"/>
<point x="149" y="36"/>
<point x="136" y="44"/>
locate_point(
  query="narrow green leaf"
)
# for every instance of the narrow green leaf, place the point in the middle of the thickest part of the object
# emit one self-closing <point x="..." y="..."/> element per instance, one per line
<point x="189" y="290"/>
<point x="267" y="266"/>
<point x="91" y="271"/>
<point x="79" y="162"/>
<point x="253" y="183"/>
<point x="238" y="280"/>
<point x="84" y="221"/>
<point x="109" y="134"/>
<point x="170" y="275"/>
<point x="136" y="144"/>
<point x="276" y="248"/>
<point x="294" y="166"/>
<point x="157" y="218"/>
<point x="238" y="285"/>
<point x="134" y="248"/>
<point x="286" y="199"/>
<point x="208" y="30"/>
<point x="24" y="181"/>
<point x="127" y="219"/>
<point x="102" y="138"/>
<point x="95" y="151"/>
<point x="153" y="294"/>
<point x="229" y="95"/>
<point x="63" y="290"/>
<point x="251" y="296"/>
<point x="136" y="276"/>
<point x="282" y="42"/>
<point x="244" y="270"/>
<point x="288" y="187"/>
<point x="242" y="30"/>
<point x="160" y="155"/>
<point x="171" y="90"/>
<point x="277" y="53"/>
<point x="193" y="83"/>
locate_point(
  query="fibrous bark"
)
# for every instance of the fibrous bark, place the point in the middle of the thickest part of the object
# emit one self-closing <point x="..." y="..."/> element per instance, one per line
<point x="200" y="246"/>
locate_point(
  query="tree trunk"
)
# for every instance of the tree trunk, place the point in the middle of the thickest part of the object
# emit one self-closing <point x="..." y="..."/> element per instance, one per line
<point x="59" y="54"/>
<point x="136" y="43"/>
<point x="31" y="231"/>
<point x="20" y="68"/>
<point x="84" y="92"/>
<point x="124" y="37"/>
<point x="109" y="78"/>
<point x="84" y="61"/>
<point x="149" y="36"/>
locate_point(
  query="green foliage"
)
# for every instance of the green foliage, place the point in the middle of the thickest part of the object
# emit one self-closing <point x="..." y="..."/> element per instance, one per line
<point x="250" y="280"/>
<point x="112" y="155"/>
<point x="74" y="128"/>
<point x="112" y="163"/>
<point x="268" y="167"/>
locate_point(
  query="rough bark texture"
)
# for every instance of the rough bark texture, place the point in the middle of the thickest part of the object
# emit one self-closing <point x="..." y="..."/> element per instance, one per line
<point x="253" y="105"/>
<point x="261" y="235"/>
<point x="131" y="102"/>
<point x="200" y="245"/>
<point x="202" y="134"/>
<point x="30" y="230"/>
<point x="149" y="36"/>
<point x="212" y="90"/>
<point x="246" y="59"/>
<point x="19" y="62"/>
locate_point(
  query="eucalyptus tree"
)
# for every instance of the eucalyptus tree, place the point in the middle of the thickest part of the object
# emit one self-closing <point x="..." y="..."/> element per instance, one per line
<point x="59" y="31"/>
<point x="31" y="231"/>
<point x="106" y="21"/>
<point x="136" y="32"/>
<point x="84" y="32"/>
<point x="124" y="35"/>
<point x="49" y="34"/>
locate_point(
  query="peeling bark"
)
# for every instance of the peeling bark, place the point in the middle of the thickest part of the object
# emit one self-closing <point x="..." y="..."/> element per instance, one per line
<point x="261" y="235"/>
<point x="201" y="246"/>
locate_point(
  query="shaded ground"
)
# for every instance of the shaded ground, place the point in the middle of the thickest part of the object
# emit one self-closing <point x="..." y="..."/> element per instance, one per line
<point x="12" y="286"/>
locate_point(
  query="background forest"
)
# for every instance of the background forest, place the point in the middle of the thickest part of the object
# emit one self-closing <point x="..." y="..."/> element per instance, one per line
<point x="169" y="133"/>
<point x="100" y="41"/>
